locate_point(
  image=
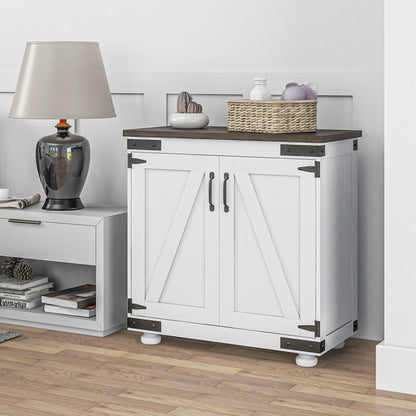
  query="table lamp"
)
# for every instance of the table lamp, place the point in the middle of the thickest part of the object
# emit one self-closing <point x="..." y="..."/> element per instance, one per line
<point x="62" y="80"/>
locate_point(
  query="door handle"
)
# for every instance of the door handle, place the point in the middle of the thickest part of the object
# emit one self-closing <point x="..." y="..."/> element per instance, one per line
<point x="211" y="178"/>
<point x="224" y="192"/>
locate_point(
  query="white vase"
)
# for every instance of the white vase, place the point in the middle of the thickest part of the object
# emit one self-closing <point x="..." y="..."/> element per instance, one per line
<point x="260" y="91"/>
<point x="188" y="120"/>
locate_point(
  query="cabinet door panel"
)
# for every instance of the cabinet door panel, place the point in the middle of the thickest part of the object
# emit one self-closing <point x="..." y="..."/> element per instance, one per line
<point x="268" y="245"/>
<point x="175" y="237"/>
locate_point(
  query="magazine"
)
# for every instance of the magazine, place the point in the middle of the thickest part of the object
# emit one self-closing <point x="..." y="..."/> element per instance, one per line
<point x="20" y="203"/>
<point x="25" y="296"/>
<point x="19" y="292"/>
<point x="12" y="283"/>
<point x="20" y="304"/>
<point x="75" y="297"/>
<point x="87" y="312"/>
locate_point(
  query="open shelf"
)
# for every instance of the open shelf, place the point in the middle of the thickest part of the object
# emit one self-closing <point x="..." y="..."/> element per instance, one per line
<point x="64" y="276"/>
<point x="40" y="316"/>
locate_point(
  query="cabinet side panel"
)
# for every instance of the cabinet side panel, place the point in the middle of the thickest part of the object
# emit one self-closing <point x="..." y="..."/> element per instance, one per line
<point x="112" y="270"/>
<point x="354" y="259"/>
<point x="129" y="234"/>
<point x="337" y="241"/>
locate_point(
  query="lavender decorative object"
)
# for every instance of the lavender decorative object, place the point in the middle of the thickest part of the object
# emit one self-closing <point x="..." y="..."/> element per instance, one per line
<point x="295" y="92"/>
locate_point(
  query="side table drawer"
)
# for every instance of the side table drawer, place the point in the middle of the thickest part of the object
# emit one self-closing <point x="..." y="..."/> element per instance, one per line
<point x="67" y="243"/>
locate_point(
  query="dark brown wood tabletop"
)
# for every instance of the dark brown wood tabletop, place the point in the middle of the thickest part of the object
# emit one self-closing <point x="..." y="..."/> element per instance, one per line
<point x="222" y="133"/>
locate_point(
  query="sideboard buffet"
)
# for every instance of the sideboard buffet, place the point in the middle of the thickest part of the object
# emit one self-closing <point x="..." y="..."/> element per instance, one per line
<point x="243" y="238"/>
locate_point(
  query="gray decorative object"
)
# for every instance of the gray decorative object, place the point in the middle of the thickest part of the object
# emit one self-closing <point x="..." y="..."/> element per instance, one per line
<point x="186" y="104"/>
<point x="194" y="107"/>
<point x="184" y="99"/>
<point x="63" y="161"/>
<point x="189" y="114"/>
<point x="296" y="92"/>
<point x="6" y="335"/>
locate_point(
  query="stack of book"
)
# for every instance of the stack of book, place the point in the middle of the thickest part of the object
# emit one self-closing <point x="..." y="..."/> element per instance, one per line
<point x="23" y="294"/>
<point x="76" y="301"/>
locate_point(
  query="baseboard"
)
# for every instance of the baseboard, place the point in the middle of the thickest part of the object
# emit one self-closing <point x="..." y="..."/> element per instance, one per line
<point x="396" y="368"/>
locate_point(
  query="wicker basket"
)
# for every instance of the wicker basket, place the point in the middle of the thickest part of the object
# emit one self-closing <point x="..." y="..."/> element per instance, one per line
<point x="274" y="116"/>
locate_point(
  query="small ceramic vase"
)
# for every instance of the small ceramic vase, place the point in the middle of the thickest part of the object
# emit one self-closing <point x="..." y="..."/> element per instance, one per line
<point x="260" y="91"/>
<point x="188" y="120"/>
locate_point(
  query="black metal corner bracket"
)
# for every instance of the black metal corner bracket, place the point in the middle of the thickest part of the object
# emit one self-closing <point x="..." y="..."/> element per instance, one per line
<point x="302" y="345"/>
<point x="140" y="144"/>
<point x="144" y="324"/>
<point x="355" y="144"/>
<point x="302" y="150"/>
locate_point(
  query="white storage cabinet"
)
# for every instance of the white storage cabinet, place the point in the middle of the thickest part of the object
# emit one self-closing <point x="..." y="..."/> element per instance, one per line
<point x="72" y="248"/>
<point x="244" y="238"/>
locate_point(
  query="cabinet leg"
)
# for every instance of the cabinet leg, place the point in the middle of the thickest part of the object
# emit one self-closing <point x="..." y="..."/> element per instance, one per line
<point x="150" y="339"/>
<point x="303" y="360"/>
<point x="339" y="346"/>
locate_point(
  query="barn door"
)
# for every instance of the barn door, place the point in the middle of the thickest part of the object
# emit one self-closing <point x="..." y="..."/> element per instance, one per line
<point x="175" y="237"/>
<point x="267" y="255"/>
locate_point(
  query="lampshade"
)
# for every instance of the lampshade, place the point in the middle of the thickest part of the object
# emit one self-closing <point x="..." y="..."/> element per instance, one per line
<point x="62" y="80"/>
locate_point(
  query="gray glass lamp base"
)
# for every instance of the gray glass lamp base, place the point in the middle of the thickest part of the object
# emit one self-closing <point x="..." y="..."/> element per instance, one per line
<point x="52" y="204"/>
<point x="62" y="160"/>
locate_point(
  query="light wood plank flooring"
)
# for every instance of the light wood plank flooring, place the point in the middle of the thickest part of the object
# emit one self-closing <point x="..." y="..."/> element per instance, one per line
<point x="44" y="373"/>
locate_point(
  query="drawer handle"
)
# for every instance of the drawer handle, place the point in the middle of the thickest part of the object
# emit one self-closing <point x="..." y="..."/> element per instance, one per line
<point x="25" y="221"/>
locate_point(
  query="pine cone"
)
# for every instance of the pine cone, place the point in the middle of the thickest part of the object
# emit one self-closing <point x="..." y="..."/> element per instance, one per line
<point x="23" y="271"/>
<point x="8" y="265"/>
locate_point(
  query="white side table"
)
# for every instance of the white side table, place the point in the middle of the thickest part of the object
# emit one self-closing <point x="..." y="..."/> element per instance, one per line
<point x="72" y="248"/>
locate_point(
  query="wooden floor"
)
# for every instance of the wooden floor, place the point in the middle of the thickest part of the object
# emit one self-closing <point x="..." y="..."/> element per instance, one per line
<point x="47" y="373"/>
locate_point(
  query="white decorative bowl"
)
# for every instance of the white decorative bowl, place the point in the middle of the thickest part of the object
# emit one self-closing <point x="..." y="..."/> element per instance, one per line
<point x="188" y="120"/>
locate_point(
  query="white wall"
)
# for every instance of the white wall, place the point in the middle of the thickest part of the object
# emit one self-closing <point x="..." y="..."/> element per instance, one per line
<point x="154" y="49"/>
<point x="396" y="356"/>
